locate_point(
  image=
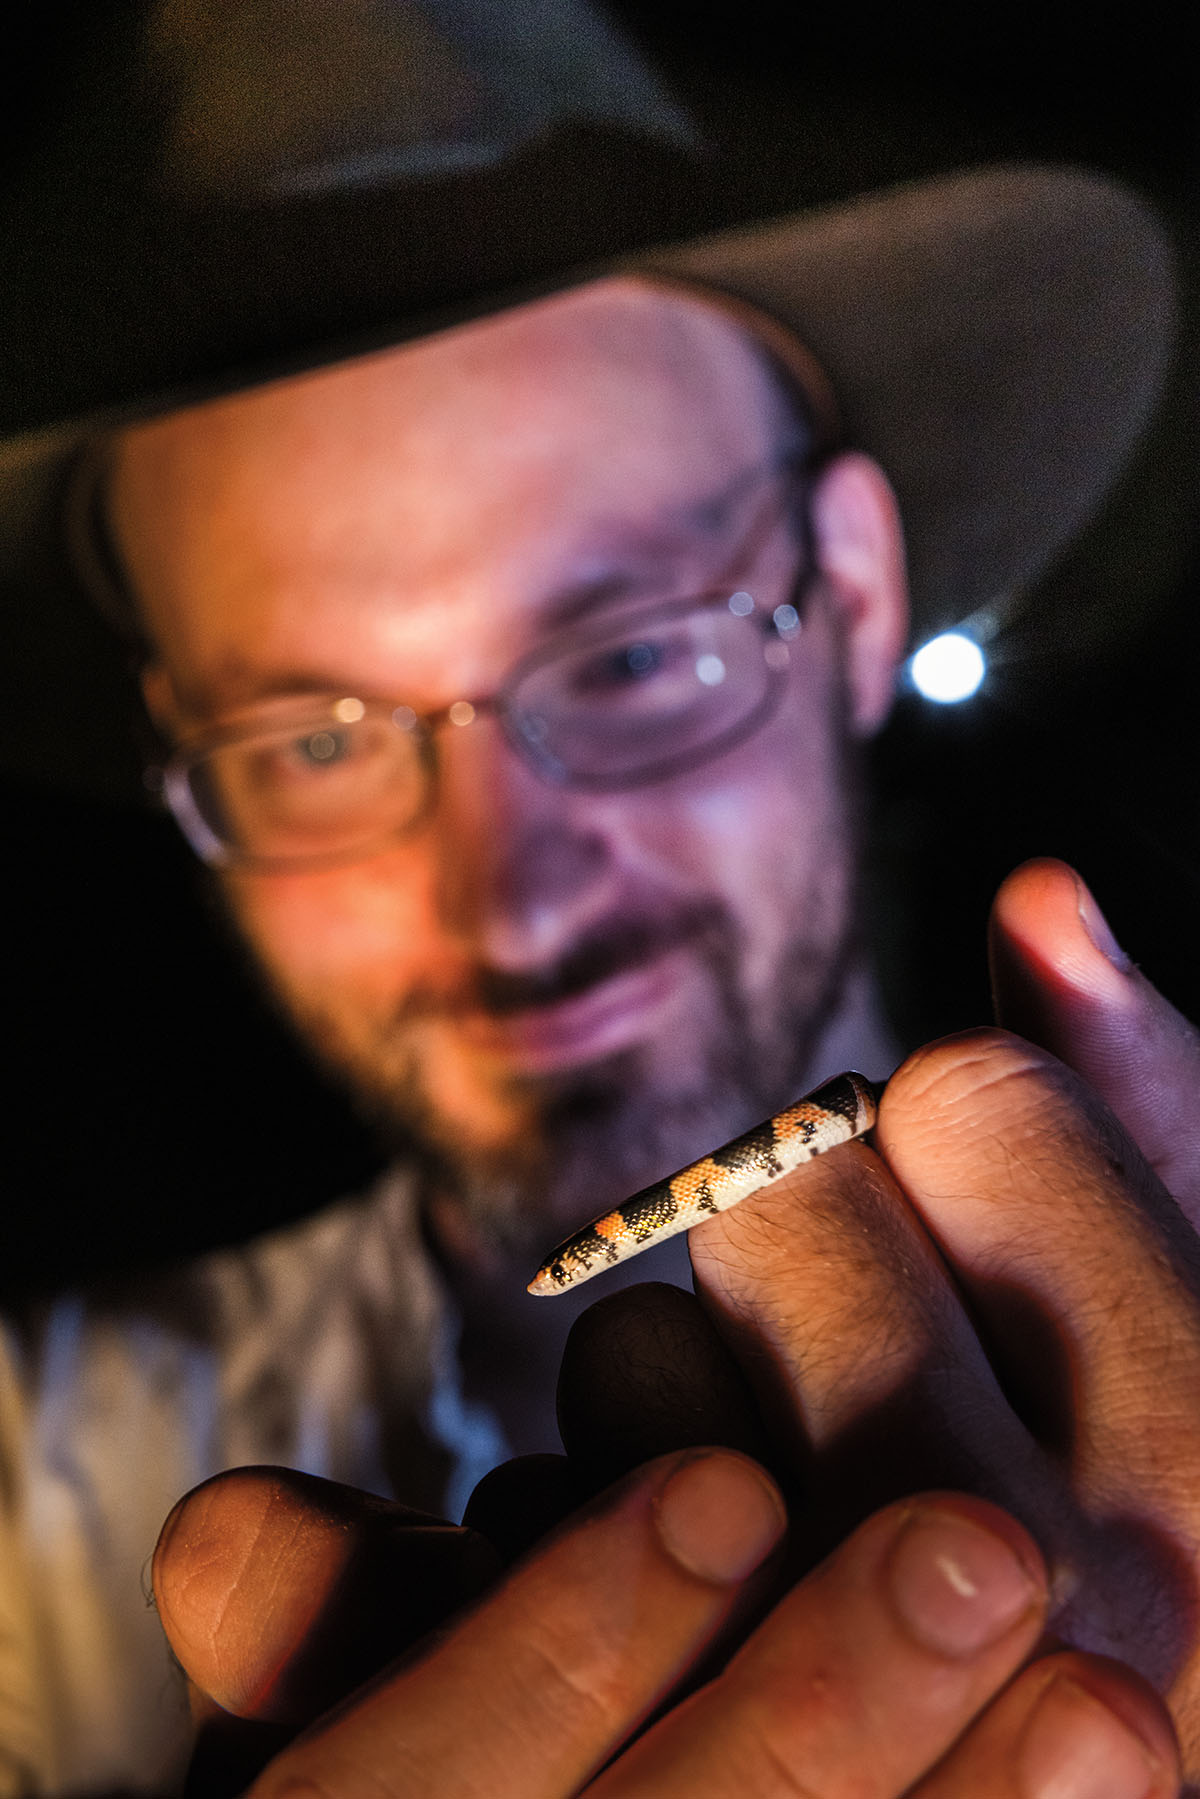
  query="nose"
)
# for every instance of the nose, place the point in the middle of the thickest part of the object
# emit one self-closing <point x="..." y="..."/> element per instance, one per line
<point x="523" y="865"/>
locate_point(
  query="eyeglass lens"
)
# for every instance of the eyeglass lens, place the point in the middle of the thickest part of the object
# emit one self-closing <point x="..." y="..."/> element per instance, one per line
<point x="655" y="692"/>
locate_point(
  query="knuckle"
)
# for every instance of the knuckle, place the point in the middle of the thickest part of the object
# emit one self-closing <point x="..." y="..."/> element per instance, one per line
<point x="996" y="1096"/>
<point x="581" y="1672"/>
<point x="952" y="1075"/>
<point x="796" y="1734"/>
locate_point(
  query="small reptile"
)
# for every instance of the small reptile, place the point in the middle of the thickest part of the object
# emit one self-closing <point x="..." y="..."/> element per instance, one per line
<point x="843" y="1108"/>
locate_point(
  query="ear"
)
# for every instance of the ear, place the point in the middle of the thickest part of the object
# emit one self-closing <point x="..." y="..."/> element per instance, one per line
<point x="860" y="551"/>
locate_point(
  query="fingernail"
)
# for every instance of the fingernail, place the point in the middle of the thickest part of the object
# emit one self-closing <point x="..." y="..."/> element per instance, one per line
<point x="1097" y="926"/>
<point x="1073" y="1747"/>
<point x="719" y="1516"/>
<point x="956" y="1585"/>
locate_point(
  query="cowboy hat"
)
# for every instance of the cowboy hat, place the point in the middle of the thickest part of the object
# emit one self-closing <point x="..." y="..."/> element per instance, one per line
<point x="224" y="195"/>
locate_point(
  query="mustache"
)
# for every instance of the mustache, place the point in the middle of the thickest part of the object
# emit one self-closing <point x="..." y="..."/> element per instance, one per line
<point x="619" y="946"/>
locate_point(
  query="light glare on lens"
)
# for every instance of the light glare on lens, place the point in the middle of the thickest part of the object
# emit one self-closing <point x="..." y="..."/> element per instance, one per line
<point x="948" y="669"/>
<point x="710" y="669"/>
<point x="349" y="711"/>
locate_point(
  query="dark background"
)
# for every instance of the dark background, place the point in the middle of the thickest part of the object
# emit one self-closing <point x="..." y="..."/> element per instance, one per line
<point x="152" y="1102"/>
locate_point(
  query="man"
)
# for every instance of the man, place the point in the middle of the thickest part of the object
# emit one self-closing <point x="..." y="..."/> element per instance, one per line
<point x="557" y="963"/>
<point x="392" y="610"/>
<point x="599" y="916"/>
<point x="898" y="1319"/>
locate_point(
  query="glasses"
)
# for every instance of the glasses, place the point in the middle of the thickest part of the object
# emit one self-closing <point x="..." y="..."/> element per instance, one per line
<point x="616" y="703"/>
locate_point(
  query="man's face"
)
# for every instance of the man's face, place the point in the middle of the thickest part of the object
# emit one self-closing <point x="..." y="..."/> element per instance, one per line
<point x="561" y="993"/>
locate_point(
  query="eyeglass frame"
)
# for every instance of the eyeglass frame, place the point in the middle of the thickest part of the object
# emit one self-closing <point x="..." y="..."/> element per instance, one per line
<point x="173" y="774"/>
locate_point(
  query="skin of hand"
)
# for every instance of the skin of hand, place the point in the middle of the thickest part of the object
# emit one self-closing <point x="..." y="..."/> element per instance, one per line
<point x="900" y="1665"/>
<point x="1001" y="1296"/>
<point x="1034" y="1372"/>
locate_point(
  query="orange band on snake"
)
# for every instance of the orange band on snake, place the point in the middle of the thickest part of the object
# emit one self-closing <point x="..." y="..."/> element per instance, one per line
<point x="841" y="1109"/>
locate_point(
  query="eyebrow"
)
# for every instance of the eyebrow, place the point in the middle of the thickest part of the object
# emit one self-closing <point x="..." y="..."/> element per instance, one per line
<point x="660" y="538"/>
<point x="646" y="545"/>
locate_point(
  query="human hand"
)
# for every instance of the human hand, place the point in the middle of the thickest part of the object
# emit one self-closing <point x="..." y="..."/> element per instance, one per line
<point x="299" y="1589"/>
<point x="1097" y="1013"/>
<point x="1002" y="1297"/>
<point x="898" y="1667"/>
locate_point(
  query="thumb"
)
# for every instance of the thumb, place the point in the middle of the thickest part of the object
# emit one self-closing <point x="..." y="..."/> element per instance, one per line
<point x="1060" y="980"/>
<point x="279" y="1592"/>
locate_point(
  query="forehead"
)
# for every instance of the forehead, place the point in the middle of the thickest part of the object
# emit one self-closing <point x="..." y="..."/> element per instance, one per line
<point x="532" y="442"/>
<point x="619" y="368"/>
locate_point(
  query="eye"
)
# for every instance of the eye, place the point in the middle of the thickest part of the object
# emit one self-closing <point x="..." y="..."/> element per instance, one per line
<point x="316" y="756"/>
<point x="322" y="748"/>
<point x="622" y="665"/>
<point x="642" y="658"/>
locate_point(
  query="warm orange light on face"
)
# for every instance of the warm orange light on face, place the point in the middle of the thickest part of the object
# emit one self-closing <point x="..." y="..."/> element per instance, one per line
<point x="403" y="530"/>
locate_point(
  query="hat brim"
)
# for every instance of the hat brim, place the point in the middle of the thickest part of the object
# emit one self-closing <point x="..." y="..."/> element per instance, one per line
<point x="996" y="340"/>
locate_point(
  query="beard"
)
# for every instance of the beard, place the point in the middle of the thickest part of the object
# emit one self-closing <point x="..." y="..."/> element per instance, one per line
<point x="511" y="1161"/>
<point x="569" y="1145"/>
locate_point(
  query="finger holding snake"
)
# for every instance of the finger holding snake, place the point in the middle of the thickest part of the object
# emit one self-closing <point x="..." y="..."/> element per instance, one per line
<point x="1012" y="1203"/>
<point x="1004" y="1271"/>
<point x="999" y="1296"/>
